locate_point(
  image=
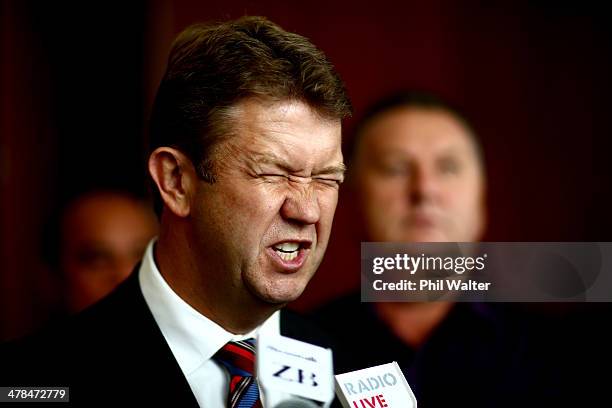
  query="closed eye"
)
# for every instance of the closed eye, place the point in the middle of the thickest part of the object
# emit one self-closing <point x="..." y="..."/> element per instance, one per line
<point x="331" y="181"/>
<point x="325" y="180"/>
<point x="273" y="175"/>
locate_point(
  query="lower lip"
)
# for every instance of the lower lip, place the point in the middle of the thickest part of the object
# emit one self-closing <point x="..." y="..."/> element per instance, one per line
<point x="289" y="266"/>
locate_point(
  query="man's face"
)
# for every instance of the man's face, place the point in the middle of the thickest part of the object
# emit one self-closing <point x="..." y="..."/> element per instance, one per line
<point x="419" y="178"/>
<point x="262" y="228"/>
<point x="103" y="237"/>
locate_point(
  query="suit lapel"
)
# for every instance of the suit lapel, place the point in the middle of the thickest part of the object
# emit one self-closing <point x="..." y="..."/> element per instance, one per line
<point x="140" y="353"/>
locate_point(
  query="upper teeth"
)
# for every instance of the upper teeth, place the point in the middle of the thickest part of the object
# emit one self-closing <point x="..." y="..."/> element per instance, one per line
<point x="287" y="246"/>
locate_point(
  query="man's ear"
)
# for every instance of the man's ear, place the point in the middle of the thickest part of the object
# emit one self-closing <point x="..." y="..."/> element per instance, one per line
<point x="175" y="177"/>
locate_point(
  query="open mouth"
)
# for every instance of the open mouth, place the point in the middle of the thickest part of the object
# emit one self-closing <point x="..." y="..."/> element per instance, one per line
<point x="290" y="254"/>
<point x="287" y="251"/>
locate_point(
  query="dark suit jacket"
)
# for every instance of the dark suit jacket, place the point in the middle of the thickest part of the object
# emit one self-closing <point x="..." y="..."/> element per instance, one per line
<point x="114" y="354"/>
<point x="481" y="355"/>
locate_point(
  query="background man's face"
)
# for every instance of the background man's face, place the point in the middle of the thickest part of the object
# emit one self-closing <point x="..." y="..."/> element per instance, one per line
<point x="419" y="178"/>
<point x="103" y="237"/>
<point x="265" y="223"/>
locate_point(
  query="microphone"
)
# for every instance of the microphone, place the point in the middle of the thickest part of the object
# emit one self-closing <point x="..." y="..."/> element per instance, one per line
<point x="293" y="374"/>
<point x="296" y="403"/>
<point x="380" y="386"/>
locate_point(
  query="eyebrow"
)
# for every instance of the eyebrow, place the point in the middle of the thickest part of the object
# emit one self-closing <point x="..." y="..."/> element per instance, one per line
<point x="338" y="168"/>
<point x="271" y="158"/>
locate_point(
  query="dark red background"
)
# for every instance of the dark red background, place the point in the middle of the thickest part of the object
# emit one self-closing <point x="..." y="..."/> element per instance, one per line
<point x="77" y="83"/>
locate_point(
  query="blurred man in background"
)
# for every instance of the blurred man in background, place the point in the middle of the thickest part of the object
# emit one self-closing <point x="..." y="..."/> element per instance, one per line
<point x="102" y="236"/>
<point x="419" y="174"/>
<point x="418" y="171"/>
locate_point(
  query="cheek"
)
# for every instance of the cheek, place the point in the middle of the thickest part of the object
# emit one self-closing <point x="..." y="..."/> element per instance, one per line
<point x="464" y="207"/>
<point x="249" y="206"/>
<point x="90" y="283"/>
<point x="255" y="218"/>
<point x="328" y="202"/>
<point x="384" y="196"/>
<point x="464" y="198"/>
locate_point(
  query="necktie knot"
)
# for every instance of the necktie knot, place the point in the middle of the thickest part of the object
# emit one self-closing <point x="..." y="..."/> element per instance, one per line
<point x="238" y="358"/>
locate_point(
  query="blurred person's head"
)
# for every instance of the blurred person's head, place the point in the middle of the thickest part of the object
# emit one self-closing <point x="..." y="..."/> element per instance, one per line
<point x="419" y="172"/>
<point x="103" y="235"/>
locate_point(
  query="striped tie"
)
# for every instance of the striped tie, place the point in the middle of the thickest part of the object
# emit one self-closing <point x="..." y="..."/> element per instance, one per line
<point x="238" y="358"/>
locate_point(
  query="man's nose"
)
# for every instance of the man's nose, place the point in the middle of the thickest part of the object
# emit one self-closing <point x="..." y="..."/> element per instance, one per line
<point x="301" y="205"/>
<point x="423" y="185"/>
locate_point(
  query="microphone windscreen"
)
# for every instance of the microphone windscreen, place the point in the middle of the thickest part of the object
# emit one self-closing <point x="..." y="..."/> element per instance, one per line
<point x="296" y="403"/>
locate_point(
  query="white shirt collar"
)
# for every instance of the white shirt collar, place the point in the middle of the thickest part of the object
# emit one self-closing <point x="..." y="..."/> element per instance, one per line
<point x="192" y="337"/>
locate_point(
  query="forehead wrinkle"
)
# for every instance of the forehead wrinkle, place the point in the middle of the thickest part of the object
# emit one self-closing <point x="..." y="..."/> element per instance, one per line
<point x="271" y="134"/>
<point x="271" y="159"/>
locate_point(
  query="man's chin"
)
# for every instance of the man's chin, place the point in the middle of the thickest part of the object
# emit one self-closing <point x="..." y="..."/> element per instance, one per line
<point x="277" y="297"/>
<point x="279" y="300"/>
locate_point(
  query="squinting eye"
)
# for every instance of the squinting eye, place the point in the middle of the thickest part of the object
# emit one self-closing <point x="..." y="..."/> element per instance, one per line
<point x="332" y="182"/>
<point x="274" y="177"/>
